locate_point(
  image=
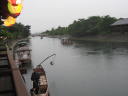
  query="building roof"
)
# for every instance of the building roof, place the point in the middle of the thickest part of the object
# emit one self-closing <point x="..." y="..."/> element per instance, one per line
<point x="123" y="21"/>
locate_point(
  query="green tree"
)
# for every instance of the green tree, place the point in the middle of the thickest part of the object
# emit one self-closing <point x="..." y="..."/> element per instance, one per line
<point x="19" y="30"/>
<point x="16" y="31"/>
<point x="94" y="25"/>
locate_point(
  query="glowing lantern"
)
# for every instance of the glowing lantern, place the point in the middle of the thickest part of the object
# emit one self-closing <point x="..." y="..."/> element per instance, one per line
<point x="9" y="21"/>
<point x="14" y="2"/>
<point x="10" y="10"/>
<point x="15" y="10"/>
<point x="19" y="1"/>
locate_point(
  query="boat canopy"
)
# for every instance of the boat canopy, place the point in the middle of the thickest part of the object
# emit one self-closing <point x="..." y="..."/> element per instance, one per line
<point x="23" y="49"/>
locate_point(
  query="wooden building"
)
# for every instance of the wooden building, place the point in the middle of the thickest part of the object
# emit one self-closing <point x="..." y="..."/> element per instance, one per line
<point x="120" y="26"/>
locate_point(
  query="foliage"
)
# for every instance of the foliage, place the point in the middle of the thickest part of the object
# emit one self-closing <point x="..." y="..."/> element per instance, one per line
<point x="16" y="31"/>
<point x="4" y="32"/>
<point x="19" y="30"/>
<point x="94" y="25"/>
<point x="58" y="31"/>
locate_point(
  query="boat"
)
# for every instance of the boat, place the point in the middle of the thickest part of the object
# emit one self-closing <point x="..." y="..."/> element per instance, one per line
<point x="42" y="82"/>
<point x="23" y="54"/>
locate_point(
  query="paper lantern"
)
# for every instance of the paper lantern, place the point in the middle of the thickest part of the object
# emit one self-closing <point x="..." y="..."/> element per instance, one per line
<point x="10" y="10"/>
<point x="15" y="10"/>
<point x="19" y="1"/>
<point x="9" y="21"/>
<point x="15" y="2"/>
<point x="12" y="1"/>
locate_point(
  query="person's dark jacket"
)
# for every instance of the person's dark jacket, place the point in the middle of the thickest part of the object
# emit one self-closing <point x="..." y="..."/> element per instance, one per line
<point x="35" y="76"/>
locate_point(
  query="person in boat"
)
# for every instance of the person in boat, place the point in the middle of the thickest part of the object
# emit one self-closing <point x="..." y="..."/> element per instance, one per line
<point x="35" y="78"/>
<point x="35" y="88"/>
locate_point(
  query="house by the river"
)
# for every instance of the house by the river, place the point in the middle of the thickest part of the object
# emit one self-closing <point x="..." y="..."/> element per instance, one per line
<point x="120" y="26"/>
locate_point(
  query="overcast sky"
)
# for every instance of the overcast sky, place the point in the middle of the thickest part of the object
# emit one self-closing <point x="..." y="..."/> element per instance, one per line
<point x="47" y="14"/>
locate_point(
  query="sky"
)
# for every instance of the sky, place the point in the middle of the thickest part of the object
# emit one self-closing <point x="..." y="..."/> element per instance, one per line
<point x="46" y="14"/>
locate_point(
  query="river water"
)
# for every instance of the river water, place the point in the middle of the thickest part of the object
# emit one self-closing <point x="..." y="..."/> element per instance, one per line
<point x="83" y="68"/>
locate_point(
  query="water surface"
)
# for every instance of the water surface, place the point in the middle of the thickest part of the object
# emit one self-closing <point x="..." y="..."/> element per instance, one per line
<point x="84" y="68"/>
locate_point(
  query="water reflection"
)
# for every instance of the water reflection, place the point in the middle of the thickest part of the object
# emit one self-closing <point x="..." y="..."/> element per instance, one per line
<point x="65" y="41"/>
<point x="84" y="68"/>
<point x="103" y="48"/>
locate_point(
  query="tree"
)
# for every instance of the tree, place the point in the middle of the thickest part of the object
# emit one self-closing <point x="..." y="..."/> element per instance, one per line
<point x="19" y="30"/>
<point x="94" y="25"/>
<point x="16" y="31"/>
<point x="4" y="33"/>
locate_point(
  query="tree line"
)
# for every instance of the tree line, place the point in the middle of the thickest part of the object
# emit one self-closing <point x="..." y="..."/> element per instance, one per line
<point x="94" y="25"/>
<point x="17" y="31"/>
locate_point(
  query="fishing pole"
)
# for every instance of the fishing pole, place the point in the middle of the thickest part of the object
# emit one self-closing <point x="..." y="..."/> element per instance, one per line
<point x="46" y="59"/>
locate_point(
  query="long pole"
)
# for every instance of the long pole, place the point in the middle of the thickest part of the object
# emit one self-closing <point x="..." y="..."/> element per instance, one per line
<point x="47" y="58"/>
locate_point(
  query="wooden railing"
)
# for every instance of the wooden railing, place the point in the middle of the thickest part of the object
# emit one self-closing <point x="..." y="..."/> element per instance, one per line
<point x="19" y="83"/>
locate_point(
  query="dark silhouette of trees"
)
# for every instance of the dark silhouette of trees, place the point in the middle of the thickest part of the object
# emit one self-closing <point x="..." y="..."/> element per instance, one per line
<point x="94" y="25"/>
<point x="19" y="30"/>
<point x="16" y="31"/>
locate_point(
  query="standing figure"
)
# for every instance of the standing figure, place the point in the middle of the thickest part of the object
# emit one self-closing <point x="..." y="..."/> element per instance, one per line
<point x="35" y="78"/>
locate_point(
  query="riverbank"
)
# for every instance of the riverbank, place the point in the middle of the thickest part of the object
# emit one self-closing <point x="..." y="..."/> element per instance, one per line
<point x="104" y="38"/>
<point x="98" y="38"/>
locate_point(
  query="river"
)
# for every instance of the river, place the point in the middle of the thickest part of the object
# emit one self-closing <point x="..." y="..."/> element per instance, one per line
<point x="83" y="68"/>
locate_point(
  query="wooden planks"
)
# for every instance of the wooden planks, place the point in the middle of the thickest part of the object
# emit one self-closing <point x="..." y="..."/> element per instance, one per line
<point x="6" y="82"/>
<point x="18" y="80"/>
<point x="11" y="82"/>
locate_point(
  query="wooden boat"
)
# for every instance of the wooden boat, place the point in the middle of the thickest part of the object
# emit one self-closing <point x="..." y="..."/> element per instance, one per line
<point x="43" y="84"/>
<point x="23" y="54"/>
